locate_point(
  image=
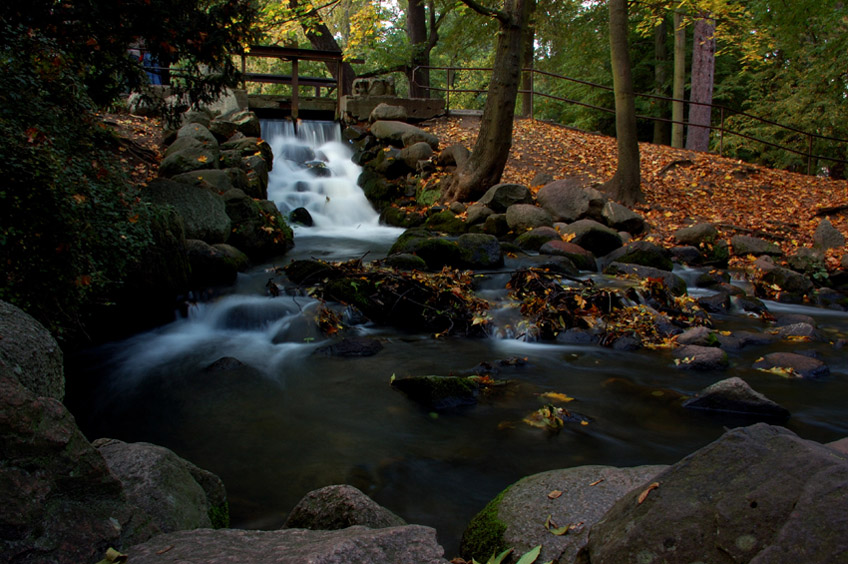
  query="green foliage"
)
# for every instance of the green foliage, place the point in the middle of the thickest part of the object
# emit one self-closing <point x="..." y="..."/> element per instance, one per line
<point x="69" y="221"/>
<point x="219" y="516"/>
<point x="484" y="535"/>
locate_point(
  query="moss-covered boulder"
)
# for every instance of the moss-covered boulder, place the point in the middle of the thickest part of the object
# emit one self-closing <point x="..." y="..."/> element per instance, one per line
<point x="259" y="231"/>
<point x="446" y="221"/>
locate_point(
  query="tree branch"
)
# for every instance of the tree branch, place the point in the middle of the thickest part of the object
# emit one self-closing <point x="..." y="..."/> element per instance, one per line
<point x="486" y="11"/>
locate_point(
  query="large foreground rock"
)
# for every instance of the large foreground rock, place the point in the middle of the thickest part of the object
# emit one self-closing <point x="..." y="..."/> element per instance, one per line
<point x="203" y="212"/>
<point x="573" y="496"/>
<point x="338" y="507"/>
<point x="758" y="495"/>
<point x="60" y="502"/>
<point x="411" y="544"/>
<point x="30" y="352"/>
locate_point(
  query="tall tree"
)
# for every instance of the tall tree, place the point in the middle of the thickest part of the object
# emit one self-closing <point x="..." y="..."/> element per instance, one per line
<point x="527" y="59"/>
<point x="625" y="185"/>
<point x="661" y="129"/>
<point x="416" y="31"/>
<point x="321" y="38"/>
<point x="701" y="91"/>
<point x="485" y="166"/>
<point x="679" y="81"/>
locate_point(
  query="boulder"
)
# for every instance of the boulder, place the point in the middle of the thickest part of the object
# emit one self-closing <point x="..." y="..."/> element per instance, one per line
<point x="496" y="225"/>
<point x="643" y="253"/>
<point x="794" y="284"/>
<point x="248" y="146"/>
<point x="453" y="155"/>
<point x="383" y="111"/>
<point x="535" y="239"/>
<point x="798" y="331"/>
<point x="445" y="221"/>
<point x="246" y="122"/>
<point x="440" y="392"/>
<point x="523" y="217"/>
<point x="745" y="245"/>
<point x="569" y="200"/>
<point x="436" y="251"/>
<point x="696" y="357"/>
<point x="198" y="131"/>
<point x="700" y="336"/>
<point x="477" y="213"/>
<point x="60" y="502"/>
<point x="530" y="512"/>
<point x="686" y="254"/>
<point x="166" y="486"/>
<point x="30" y="353"/>
<point x="593" y="236"/>
<point x="188" y="160"/>
<point x="673" y="282"/>
<point x="501" y="196"/>
<point x="402" y="134"/>
<point x="203" y="212"/>
<point x="827" y="236"/>
<point x="257" y="231"/>
<point x="301" y="216"/>
<point x="480" y="250"/>
<point x="214" y="265"/>
<point x="582" y="259"/>
<point x="695" y="235"/>
<point x="715" y="303"/>
<point x="621" y="218"/>
<point x="217" y="180"/>
<point x="256" y="169"/>
<point x="735" y="396"/>
<point x="793" y="365"/>
<point x="338" y="507"/>
<point x="406" y="261"/>
<point x="757" y="494"/>
<point x="184" y="143"/>
<point x="417" y="152"/>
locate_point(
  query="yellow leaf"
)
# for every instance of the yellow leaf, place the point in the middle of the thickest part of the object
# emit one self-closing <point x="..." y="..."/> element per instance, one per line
<point x="554" y="494"/>
<point x="644" y="495"/>
<point x="557" y="396"/>
<point x="202" y="159"/>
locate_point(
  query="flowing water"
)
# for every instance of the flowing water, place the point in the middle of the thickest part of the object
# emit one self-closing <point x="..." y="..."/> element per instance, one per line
<point x="284" y="420"/>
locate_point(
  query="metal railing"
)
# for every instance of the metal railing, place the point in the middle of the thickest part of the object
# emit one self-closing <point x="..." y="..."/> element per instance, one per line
<point x="724" y="111"/>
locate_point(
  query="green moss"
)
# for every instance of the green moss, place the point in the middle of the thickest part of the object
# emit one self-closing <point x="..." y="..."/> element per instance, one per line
<point x="219" y="515"/>
<point x="484" y="535"/>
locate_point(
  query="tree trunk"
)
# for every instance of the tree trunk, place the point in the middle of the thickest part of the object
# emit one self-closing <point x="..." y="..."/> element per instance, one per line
<point x="625" y="184"/>
<point x="661" y="128"/>
<point x="679" y="84"/>
<point x="527" y="61"/>
<point x="703" y="71"/>
<point x="485" y="166"/>
<point x="321" y="38"/>
<point x="416" y="31"/>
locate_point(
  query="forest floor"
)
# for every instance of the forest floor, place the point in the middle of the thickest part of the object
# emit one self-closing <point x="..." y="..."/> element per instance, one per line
<point x="681" y="187"/>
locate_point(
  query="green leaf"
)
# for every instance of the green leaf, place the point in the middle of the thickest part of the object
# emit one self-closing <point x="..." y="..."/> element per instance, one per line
<point x="530" y="556"/>
<point x="500" y="557"/>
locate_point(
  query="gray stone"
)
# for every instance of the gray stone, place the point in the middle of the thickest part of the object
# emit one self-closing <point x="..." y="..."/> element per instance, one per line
<point x="250" y="146"/>
<point x="216" y="180"/>
<point x="686" y="254"/>
<point x="695" y="235"/>
<point x="258" y="229"/>
<point x="411" y="544"/>
<point x="496" y="225"/>
<point x="576" y="497"/>
<point x="643" y="253"/>
<point x="695" y="357"/>
<point x="60" y="502"/>
<point x="621" y="218"/>
<point x="477" y="213"/>
<point x="523" y="217"/>
<point x="734" y="395"/>
<point x="417" y="152"/>
<point x="570" y="199"/>
<point x="501" y="196"/>
<point x="593" y="236"/>
<point x="535" y="239"/>
<point x="700" y="336"/>
<point x="757" y="495"/>
<point x="798" y="331"/>
<point x="673" y="282"/>
<point x="793" y="365"/>
<point x="30" y="353"/>
<point x="788" y="281"/>
<point x="827" y="236"/>
<point x="214" y="265"/>
<point x="583" y="259"/>
<point x="203" y="212"/>
<point x="383" y="111"/>
<point x="164" y="485"/>
<point x="716" y="303"/>
<point x="480" y="250"/>
<point x="338" y="507"/>
<point x="187" y="160"/>
<point x="808" y="261"/>
<point x="402" y="134"/>
<point x="184" y="143"/>
<point x="453" y="155"/>
<point x="745" y="245"/>
<point x="198" y="131"/>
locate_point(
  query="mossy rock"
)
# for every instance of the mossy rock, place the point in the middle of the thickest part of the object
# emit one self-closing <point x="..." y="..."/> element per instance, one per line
<point x="436" y="251"/>
<point x="428" y="197"/>
<point x="401" y="218"/>
<point x="219" y="516"/>
<point x="446" y="222"/>
<point x="484" y="535"/>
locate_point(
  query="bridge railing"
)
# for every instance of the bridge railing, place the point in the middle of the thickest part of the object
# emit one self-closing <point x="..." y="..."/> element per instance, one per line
<point x="721" y="127"/>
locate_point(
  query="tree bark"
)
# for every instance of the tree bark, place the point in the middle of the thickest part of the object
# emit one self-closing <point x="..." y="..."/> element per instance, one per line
<point x="485" y="166"/>
<point x="321" y="38"/>
<point x="527" y="61"/>
<point x="625" y="185"/>
<point x="679" y="84"/>
<point x="703" y="71"/>
<point x="661" y="128"/>
<point x="416" y="31"/>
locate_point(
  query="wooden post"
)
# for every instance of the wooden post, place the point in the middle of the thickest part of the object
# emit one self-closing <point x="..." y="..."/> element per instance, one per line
<point x="810" y="155"/>
<point x="243" y="70"/>
<point x="295" y="93"/>
<point x="448" y="89"/>
<point x="340" y="80"/>
<point x="721" y="135"/>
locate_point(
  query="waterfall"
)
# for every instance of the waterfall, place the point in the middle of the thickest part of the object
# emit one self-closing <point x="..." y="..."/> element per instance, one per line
<point x="313" y="170"/>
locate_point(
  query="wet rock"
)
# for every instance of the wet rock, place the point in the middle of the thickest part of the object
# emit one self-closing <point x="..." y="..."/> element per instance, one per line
<point x="695" y="357"/>
<point x="745" y="245"/>
<point x="440" y="392"/>
<point x="751" y="305"/>
<point x="301" y="216"/>
<point x="757" y="494"/>
<point x="793" y="318"/>
<point x="577" y="336"/>
<point x="216" y="265"/>
<point x="406" y="261"/>
<point x="480" y="250"/>
<point x="60" y="502"/>
<point x="593" y="236"/>
<point x="217" y="180"/>
<point x="501" y="196"/>
<point x="203" y="212"/>
<point x="827" y="236"/>
<point x="793" y="365"/>
<point x="496" y="225"/>
<point x="189" y="159"/>
<point x="248" y="146"/>
<point x="199" y="132"/>
<point x="165" y="486"/>
<point x="29" y="353"/>
<point x="674" y="283"/>
<point x="582" y="259"/>
<point x="477" y="213"/>
<point x="258" y="228"/>
<point x="794" y="285"/>
<point x="809" y="262"/>
<point x="627" y="343"/>
<point x="310" y="271"/>
<point x="570" y="199"/>
<point x="700" y="336"/>
<point x="578" y="497"/>
<point x="686" y="254"/>
<point x="446" y="222"/>
<point x="712" y="278"/>
<point x="559" y="265"/>
<point x="412" y="544"/>
<point x="643" y="253"/>
<point x="436" y="251"/>
<point x="798" y="331"/>
<point x="695" y="235"/>
<point x="621" y="218"/>
<point x="751" y="339"/>
<point x="735" y="396"/>
<point x="717" y="303"/>
<point x="535" y="239"/>
<point x="338" y="507"/>
<point x="351" y="347"/>
<point x="523" y="217"/>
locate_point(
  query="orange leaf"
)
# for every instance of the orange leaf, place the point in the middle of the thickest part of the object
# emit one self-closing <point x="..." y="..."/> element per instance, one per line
<point x="644" y="495"/>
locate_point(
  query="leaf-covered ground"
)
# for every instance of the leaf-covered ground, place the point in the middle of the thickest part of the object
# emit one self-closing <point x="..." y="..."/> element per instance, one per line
<point x="681" y="187"/>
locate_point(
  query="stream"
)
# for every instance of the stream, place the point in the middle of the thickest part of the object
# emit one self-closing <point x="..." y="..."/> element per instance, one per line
<point x="282" y="420"/>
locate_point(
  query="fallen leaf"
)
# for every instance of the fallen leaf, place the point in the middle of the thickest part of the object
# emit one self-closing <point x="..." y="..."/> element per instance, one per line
<point x="554" y="494"/>
<point x="596" y="482"/>
<point x="644" y="495"/>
